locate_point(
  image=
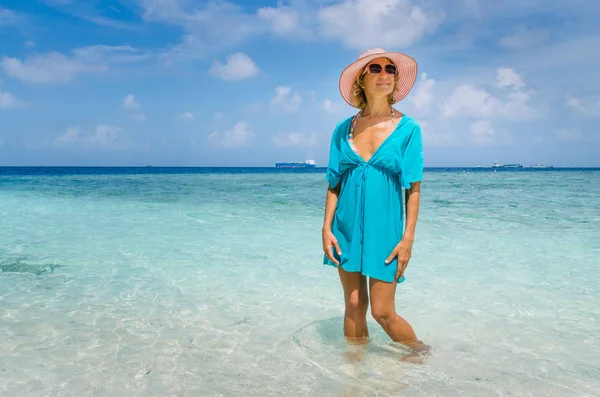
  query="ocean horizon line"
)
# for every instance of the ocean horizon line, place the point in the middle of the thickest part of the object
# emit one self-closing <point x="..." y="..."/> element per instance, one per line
<point x="154" y="168"/>
<point x="272" y="166"/>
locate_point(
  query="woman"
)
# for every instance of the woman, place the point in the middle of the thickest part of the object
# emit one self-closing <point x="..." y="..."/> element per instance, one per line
<point x="373" y="155"/>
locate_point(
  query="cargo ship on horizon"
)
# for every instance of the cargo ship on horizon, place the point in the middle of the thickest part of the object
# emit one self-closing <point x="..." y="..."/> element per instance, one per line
<point x="498" y="165"/>
<point x="541" y="166"/>
<point x="296" y="164"/>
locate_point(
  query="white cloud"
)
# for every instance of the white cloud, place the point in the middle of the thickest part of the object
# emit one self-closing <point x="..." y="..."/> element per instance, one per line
<point x="108" y="22"/>
<point x="438" y="134"/>
<point x="129" y="103"/>
<point x="239" y="136"/>
<point x="214" y="25"/>
<point x="217" y="24"/>
<point x="106" y="54"/>
<point x="218" y="116"/>
<point x="296" y="139"/>
<point x="8" y="18"/>
<point x="56" y="67"/>
<point x="105" y="136"/>
<point x="482" y="132"/>
<point x="139" y="117"/>
<point x="524" y="37"/>
<point x="102" y="137"/>
<point x="468" y="100"/>
<point x="238" y="66"/>
<point x="570" y="136"/>
<point x="284" y="98"/>
<point x="517" y="106"/>
<point x="8" y="101"/>
<point x="507" y="77"/>
<point x="70" y="137"/>
<point x="585" y="106"/>
<point x="573" y="103"/>
<point x="524" y="10"/>
<point x="187" y="116"/>
<point x="282" y="19"/>
<point x="78" y="9"/>
<point x="332" y="107"/>
<point x="29" y="44"/>
<point x="47" y="68"/>
<point x="422" y="96"/>
<point x="59" y="2"/>
<point x="363" y="24"/>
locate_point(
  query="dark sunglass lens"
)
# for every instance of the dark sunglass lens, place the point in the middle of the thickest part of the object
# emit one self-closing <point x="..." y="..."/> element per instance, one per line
<point x="390" y="69"/>
<point x="374" y="68"/>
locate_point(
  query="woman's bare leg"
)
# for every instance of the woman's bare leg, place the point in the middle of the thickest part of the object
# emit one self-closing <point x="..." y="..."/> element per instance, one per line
<point x="356" y="300"/>
<point x="383" y="309"/>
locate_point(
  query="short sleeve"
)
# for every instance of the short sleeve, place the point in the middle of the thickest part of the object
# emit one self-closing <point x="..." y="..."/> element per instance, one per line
<point x="334" y="175"/>
<point x="412" y="158"/>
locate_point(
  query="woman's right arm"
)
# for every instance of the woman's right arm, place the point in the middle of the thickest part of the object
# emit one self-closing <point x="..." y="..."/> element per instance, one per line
<point x="329" y="239"/>
<point x="330" y="204"/>
<point x="333" y="177"/>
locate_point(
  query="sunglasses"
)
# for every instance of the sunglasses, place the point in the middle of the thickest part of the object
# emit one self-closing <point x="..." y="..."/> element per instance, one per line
<point x="376" y="68"/>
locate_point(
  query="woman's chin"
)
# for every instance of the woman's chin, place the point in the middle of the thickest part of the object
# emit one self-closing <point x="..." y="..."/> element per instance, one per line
<point x="381" y="90"/>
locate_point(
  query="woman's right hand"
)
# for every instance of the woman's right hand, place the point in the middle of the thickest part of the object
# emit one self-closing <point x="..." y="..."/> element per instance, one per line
<point x="329" y="241"/>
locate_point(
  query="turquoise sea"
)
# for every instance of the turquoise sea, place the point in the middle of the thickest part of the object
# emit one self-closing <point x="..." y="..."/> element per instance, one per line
<point x="209" y="282"/>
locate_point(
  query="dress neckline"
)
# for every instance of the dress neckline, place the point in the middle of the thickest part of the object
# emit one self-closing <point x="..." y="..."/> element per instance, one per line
<point x="352" y="146"/>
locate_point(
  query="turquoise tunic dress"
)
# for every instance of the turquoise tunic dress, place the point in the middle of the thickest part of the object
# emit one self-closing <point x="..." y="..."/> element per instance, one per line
<point x="369" y="215"/>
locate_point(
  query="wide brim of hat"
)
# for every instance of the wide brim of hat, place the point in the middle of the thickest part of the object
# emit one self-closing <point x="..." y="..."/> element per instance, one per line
<point x="407" y="75"/>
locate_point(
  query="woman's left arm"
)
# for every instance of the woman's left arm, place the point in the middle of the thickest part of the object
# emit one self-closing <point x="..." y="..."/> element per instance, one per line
<point x="412" y="198"/>
<point x="404" y="248"/>
<point x="410" y="177"/>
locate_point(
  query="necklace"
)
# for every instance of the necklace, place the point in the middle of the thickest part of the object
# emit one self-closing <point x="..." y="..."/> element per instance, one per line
<point x="355" y="118"/>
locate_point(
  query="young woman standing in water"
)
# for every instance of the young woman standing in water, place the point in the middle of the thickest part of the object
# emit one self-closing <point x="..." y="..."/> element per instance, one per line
<point x="373" y="156"/>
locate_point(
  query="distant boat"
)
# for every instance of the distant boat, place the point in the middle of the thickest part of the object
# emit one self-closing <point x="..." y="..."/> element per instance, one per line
<point x="541" y="166"/>
<point x="498" y="165"/>
<point x="296" y="164"/>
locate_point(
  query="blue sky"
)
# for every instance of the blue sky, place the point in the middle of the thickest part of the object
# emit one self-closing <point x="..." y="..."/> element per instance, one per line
<point x="248" y="83"/>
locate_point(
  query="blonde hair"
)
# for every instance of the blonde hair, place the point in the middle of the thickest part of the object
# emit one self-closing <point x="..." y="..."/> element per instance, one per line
<point x="358" y="89"/>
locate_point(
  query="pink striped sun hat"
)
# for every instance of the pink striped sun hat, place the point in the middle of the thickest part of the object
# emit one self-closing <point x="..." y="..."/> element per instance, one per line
<point x="407" y="73"/>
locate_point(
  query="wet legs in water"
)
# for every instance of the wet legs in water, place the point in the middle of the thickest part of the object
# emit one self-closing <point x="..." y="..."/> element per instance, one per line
<point x="383" y="310"/>
<point x="356" y="299"/>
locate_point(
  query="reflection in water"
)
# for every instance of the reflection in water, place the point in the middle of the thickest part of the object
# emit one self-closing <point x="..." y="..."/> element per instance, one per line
<point x="364" y="369"/>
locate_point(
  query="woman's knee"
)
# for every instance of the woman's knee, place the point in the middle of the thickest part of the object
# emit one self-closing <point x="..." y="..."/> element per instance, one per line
<point x="382" y="314"/>
<point x="357" y="304"/>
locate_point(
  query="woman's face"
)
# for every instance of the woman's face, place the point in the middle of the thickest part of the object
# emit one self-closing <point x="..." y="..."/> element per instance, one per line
<point x="379" y="77"/>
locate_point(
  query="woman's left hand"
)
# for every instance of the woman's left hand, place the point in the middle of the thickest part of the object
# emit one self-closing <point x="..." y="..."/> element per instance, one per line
<point x="403" y="251"/>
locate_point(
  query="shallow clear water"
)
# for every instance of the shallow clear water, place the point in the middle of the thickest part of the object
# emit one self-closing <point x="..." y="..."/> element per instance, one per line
<point x="211" y="284"/>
